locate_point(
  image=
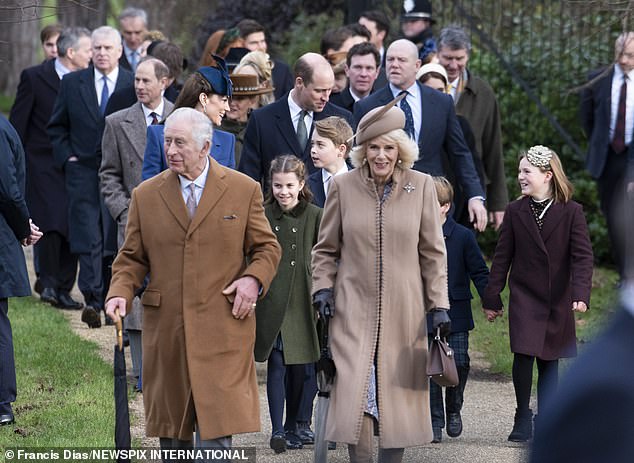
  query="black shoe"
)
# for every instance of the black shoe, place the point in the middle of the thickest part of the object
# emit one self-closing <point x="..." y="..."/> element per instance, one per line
<point x="454" y="424"/>
<point x="293" y="442"/>
<point x="64" y="301"/>
<point x="278" y="442"/>
<point x="305" y="434"/>
<point x="437" y="439"/>
<point x="522" y="427"/>
<point x="91" y="317"/>
<point x="49" y="295"/>
<point x="332" y="445"/>
<point x="7" y="419"/>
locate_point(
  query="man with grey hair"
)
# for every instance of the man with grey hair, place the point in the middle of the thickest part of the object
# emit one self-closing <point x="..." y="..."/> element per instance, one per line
<point x="133" y="24"/>
<point x="45" y="189"/>
<point x="198" y="319"/>
<point x="476" y="102"/>
<point x="75" y="131"/>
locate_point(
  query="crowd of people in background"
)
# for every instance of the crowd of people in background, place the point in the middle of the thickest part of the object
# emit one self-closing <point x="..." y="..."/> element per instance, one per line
<point x="358" y="180"/>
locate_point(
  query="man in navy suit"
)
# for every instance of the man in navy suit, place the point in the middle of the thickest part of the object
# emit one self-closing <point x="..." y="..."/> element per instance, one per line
<point x="75" y="130"/>
<point x="45" y="189"/>
<point x="15" y="229"/>
<point x="610" y="148"/>
<point x="133" y="25"/>
<point x="431" y="121"/>
<point x="285" y="127"/>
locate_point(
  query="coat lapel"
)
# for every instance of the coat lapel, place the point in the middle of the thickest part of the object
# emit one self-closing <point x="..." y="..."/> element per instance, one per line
<point x="215" y="188"/>
<point x="135" y="128"/>
<point x="170" y="191"/>
<point x="49" y="75"/>
<point x="526" y="216"/>
<point x="552" y="219"/>
<point x="285" y="126"/>
<point x="88" y="93"/>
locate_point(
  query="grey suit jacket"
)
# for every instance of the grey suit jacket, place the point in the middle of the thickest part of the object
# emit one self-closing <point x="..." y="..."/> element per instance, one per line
<point x="123" y="146"/>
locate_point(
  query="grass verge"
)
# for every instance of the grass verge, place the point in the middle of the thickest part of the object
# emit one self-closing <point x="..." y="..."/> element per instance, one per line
<point x="65" y="391"/>
<point x="492" y="339"/>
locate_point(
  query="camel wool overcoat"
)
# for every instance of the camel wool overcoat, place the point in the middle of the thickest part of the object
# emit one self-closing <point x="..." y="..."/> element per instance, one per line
<point x="197" y="359"/>
<point x="387" y="264"/>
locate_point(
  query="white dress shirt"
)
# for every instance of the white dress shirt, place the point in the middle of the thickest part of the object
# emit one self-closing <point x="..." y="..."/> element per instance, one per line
<point x="413" y="98"/>
<point x="159" y="112"/>
<point x="327" y="176"/>
<point x="295" y="111"/>
<point x="111" y="79"/>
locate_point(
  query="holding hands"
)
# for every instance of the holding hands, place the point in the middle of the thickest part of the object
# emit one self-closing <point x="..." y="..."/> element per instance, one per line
<point x="492" y="314"/>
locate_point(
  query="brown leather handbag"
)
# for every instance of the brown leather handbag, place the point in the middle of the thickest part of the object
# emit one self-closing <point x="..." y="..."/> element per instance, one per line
<point x="441" y="364"/>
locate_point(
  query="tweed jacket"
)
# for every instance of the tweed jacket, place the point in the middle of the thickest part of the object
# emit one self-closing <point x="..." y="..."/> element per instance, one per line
<point x="197" y="359"/>
<point x="287" y="308"/>
<point x="387" y="264"/>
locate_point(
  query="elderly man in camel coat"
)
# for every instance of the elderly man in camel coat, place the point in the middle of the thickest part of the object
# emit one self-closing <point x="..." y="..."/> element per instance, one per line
<point x="206" y="273"/>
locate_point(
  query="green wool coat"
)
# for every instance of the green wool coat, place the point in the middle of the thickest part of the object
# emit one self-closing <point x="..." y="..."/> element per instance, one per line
<point x="287" y="307"/>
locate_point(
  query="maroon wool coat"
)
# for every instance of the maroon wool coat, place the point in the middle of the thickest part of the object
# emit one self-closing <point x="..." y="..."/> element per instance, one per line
<point x="549" y="269"/>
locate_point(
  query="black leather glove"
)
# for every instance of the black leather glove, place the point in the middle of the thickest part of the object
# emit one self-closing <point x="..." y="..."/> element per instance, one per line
<point x="440" y="319"/>
<point x="324" y="303"/>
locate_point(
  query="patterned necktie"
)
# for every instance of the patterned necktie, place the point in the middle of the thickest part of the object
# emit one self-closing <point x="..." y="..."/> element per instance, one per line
<point x="154" y="117"/>
<point x="105" y="94"/>
<point x="618" y="140"/>
<point x="191" y="200"/>
<point x="302" y="133"/>
<point x="409" y="118"/>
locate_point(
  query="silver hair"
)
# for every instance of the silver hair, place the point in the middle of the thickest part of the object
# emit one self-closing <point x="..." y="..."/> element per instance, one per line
<point x="132" y="12"/>
<point x="69" y="38"/>
<point x="454" y="37"/>
<point x="105" y="31"/>
<point x="198" y="123"/>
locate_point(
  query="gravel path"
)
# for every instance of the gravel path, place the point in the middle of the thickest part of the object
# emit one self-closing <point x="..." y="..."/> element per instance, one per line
<point x="487" y="417"/>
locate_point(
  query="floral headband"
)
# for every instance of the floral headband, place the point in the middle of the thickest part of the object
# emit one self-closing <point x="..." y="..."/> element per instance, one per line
<point x="539" y="155"/>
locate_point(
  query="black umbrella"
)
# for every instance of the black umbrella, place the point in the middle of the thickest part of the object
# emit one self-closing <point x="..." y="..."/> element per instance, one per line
<point x="326" y="372"/>
<point x="122" y="414"/>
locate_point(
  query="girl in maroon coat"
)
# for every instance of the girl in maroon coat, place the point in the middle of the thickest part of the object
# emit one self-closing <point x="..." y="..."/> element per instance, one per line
<point x="544" y="242"/>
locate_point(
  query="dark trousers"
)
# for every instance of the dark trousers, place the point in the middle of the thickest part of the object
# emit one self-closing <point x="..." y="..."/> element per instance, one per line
<point x="283" y="383"/>
<point x="8" y="388"/>
<point x="309" y="391"/>
<point x="57" y="265"/>
<point x="454" y="396"/>
<point x="611" y="189"/>
<point x="547" y="379"/>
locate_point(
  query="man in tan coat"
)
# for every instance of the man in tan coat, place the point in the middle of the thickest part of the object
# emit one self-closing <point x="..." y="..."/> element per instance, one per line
<point x="206" y="274"/>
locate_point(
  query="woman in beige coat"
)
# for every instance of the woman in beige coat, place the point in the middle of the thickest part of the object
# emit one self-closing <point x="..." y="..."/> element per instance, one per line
<point x="380" y="259"/>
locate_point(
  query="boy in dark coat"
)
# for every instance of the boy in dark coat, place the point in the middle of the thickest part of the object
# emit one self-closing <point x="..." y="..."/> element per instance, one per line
<point x="464" y="264"/>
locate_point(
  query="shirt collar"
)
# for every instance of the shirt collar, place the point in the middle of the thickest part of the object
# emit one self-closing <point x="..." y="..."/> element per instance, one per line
<point x="618" y="73"/>
<point x="159" y="110"/>
<point x="61" y="69"/>
<point x="325" y="175"/>
<point x="294" y="107"/>
<point x="112" y="77"/>
<point x="412" y="90"/>
<point x="199" y="181"/>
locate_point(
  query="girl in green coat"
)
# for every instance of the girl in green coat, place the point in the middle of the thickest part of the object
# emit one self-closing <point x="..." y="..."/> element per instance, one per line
<point x="286" y="334"/>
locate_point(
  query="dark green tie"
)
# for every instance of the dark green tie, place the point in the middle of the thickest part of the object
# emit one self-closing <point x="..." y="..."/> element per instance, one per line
<point x="302" y="133"/>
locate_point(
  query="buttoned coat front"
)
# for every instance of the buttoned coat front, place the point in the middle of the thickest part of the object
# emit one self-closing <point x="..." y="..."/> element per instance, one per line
<point x="549" y="269"/>
<point x="388" y="267"/>
<point x="287" y="308"/>
<point x="197" y="359"/>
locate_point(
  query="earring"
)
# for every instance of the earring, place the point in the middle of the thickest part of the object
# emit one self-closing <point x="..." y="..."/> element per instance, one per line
<point x="205" y="109"/>
<point x="365" y="161"/>
<point x="400" y="161"/>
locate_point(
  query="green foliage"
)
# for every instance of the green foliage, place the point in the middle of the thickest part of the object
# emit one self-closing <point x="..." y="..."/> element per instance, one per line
<point x="304" y="34"/>
<point x="6" y="101"/>
<point x="65" y="391"/>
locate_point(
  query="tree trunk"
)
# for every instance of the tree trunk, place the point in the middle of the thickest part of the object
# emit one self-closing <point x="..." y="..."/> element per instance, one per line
<point x="85" y="13"/>
<point x="19" y="40"/>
